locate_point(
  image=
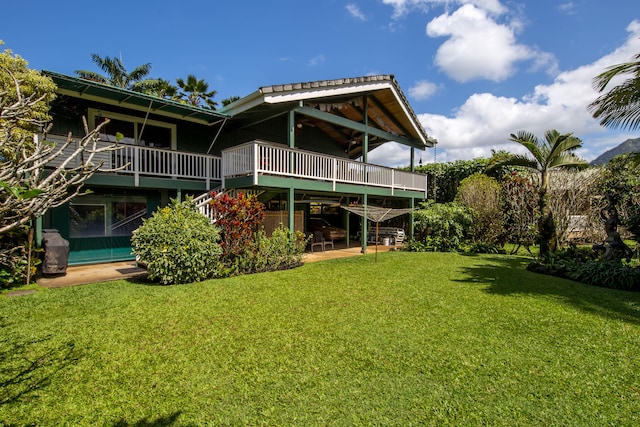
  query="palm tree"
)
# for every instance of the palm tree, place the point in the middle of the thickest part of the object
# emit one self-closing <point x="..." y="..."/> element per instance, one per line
<point x="116" y="73"/>
<point x="620" y="107"/>
<point x="160" y="88"/>
<point x="195" y="91"/>
<point x="554" y="152"/>
<point x="229" y="100"/>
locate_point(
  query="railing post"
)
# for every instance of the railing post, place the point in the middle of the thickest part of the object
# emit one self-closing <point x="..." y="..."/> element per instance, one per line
<point x="208" y="173"/>
<point x="136" y="167"/>
<point x="256" y="159"/>
<point x="393" y="182"/>
<point x="334" y="175"/>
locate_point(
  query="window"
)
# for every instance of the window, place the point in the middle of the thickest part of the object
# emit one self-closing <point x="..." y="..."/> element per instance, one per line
<point x="135" y="130"/>
<point x="106" y="215"/>
<point x="87" y="220"/>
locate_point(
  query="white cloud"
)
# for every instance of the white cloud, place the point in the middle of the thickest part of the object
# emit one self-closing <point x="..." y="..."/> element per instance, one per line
<point x="423" y="90"/>
<point x="355" y="12"/>
<point x="485" y="121"/>
<point x="402" y="7"/>
<point x="568" y="8"/>
<point x="317" y="60"/>
<point x="478" y="47"/>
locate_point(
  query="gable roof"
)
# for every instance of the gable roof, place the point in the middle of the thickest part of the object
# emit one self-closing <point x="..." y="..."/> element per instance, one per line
<point x="344" y="109"/>
<point x="88" y="89"/>
<point x="337" y="107"/>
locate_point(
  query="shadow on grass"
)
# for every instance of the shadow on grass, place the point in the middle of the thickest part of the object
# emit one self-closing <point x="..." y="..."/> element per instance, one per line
<point x="167" y="421"/>
<point x="27" y="364"/>
<point x="508" y="276"/>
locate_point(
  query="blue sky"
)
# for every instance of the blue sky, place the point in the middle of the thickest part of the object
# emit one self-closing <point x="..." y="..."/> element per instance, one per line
<point x="474" y="71"/>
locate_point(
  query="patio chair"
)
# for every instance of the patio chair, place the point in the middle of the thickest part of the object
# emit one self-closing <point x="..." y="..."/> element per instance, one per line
<point x="326" y="243"/>
<point x="318" y="240"/>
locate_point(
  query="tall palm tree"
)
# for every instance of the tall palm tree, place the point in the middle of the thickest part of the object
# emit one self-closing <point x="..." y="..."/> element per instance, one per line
<point x="229" y="100"/>
<point x="620" y="107"/>
<point x="116" y="73"/>
<point x="195" y="91"/>
<point x="160" y="88"/>
<point x="554" y="152"/>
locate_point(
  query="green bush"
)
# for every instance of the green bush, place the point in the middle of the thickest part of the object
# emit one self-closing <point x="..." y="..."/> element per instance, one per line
<point x="281" y="251"/>
<point x="608" y="275"/>
<point x="442" y="226"/>
<point x="178" y="245"/>
<point x="484" y="248"/>
<point x="482" y="195"/>
<point x="14" y="256"/>
<point x="581" y="264"/>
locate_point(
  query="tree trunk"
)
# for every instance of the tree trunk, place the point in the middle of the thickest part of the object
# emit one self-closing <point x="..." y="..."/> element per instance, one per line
<point x="546" y="224"/>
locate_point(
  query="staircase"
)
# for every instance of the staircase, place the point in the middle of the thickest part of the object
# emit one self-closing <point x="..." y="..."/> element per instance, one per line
<point x="203" y="201"/>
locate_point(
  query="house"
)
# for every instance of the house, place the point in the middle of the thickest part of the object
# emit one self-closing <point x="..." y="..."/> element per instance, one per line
<point x="302" y="148"/>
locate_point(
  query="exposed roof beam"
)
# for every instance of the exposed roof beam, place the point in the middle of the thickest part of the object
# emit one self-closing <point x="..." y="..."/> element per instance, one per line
<point x="341" y="121"/>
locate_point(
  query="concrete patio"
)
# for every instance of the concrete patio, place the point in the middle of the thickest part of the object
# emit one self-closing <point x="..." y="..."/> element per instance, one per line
<point x="92" y="273"/>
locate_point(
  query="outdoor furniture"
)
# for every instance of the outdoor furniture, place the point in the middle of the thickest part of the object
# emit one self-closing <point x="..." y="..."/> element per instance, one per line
<point x="318" y="240"/>
<point x="326" y="243"/>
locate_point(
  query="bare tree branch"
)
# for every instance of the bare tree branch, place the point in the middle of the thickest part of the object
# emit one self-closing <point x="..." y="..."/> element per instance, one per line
<point x="30" y="183"/>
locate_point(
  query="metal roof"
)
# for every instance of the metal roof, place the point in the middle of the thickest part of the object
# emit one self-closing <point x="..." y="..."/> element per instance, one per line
<point x="88" y="89"/>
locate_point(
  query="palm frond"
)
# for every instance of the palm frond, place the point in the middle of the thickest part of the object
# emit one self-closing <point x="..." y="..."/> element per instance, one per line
<point x="601" y="81"/>
<point x="513" y="160"/>
<point x="91" y="75"/>
<point x="561" y="143"/>
<point x="620" y="107"/>
<point x="567" y="161"/>
<point x="529" y="141"/>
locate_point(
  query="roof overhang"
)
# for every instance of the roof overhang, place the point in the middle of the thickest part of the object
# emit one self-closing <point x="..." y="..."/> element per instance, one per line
<point x="389" y="117"/>
<point x="93" y="91"/>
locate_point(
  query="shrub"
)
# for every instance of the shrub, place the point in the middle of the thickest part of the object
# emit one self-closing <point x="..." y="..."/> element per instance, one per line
<point x="482" y="195"/>
<point x="282" y="250"/>
<point x="442" y="226"/>
<point x="609" y="275"/>
<point x="238" y="220"/>
<point x="414" y="245"/>
<point x="14" y="258"/>
<point x="581" y="264"/>
<point x="178" y="245"/>
<point x="483" y="248"/>
<point x="520" y="202"/>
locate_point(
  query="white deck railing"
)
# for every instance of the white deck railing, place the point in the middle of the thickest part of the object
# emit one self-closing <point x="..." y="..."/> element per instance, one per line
<point x="249" y="159"/>
<point x="145" y="161"/>
<point x="256" y="158"/>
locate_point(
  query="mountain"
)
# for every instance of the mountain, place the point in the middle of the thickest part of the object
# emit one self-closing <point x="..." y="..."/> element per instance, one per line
<point x="629" y="146"/>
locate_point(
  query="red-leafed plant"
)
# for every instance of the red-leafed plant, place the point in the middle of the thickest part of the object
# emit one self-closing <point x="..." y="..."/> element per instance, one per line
<point x="238" y="220"/>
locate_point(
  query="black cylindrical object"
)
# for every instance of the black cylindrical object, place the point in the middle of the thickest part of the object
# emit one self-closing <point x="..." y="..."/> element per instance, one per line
<point x="56" y="252"/>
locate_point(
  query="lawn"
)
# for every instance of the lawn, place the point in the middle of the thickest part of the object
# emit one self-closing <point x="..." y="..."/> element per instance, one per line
<point x="412" y="339"/>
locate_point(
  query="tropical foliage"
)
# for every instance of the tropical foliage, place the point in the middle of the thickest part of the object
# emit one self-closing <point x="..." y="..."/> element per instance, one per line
<point x="282" y="250"/>
<point x="24" y="104"/>
<point x="196" y="92"/>
<point x="238" y="219"/>
<point x="619" y="180"/>
<point x="116" y="74"/>
<point x="555" y="151"/>
<point x="26" y="191"/>
<point x="520" y="210"/>
<point x="441" y="226"/>
<point x="178" y="245"/>
<point x="482" y="195"/>
<point x="620" y="106"/>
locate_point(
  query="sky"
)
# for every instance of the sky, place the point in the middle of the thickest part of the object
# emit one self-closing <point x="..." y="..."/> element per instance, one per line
<point x="474" y="71"/>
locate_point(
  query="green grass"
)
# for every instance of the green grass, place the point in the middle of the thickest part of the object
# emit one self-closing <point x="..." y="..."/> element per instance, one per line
<point x="414" y="339"/>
